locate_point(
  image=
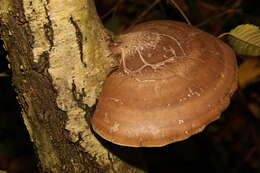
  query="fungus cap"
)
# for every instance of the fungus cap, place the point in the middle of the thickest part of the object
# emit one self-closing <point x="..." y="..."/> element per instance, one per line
<point x="173" y="80"/>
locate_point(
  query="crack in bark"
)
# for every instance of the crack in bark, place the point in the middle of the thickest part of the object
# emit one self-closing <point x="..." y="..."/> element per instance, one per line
<point x="49" y="34"/>
<point x="79" y="37"/>
<point x="43" y="62"/>
<point x="111" y="162"/>
<point x="78" y="97"/>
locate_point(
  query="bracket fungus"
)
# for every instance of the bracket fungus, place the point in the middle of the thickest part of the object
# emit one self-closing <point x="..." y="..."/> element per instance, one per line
<point x="173" y="80"/>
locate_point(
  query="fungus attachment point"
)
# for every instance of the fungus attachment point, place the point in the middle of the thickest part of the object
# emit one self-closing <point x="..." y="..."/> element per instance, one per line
<point x="173" y="80"/>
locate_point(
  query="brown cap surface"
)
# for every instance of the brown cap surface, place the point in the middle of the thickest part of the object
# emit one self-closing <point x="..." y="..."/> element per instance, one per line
<point x="173" y="81"/>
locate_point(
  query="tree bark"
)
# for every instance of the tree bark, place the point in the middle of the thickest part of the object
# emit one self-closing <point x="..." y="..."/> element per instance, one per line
<point x="59" y="55"/>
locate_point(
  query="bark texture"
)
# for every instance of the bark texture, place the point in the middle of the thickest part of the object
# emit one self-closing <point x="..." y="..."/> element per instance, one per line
<point x="58" y="52"/>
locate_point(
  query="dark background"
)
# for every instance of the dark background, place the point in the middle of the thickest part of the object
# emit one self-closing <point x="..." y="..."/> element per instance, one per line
<point x="231" y="144"/>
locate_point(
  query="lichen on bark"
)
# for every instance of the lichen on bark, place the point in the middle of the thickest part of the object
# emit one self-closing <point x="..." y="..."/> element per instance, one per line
<point x="79" y="63"/>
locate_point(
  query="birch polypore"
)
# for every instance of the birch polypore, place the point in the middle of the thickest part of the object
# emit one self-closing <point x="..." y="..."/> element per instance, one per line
<point x="173" y="80"/>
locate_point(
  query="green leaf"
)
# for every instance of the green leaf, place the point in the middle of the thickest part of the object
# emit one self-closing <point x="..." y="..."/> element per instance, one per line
<point x="245" y="39"/>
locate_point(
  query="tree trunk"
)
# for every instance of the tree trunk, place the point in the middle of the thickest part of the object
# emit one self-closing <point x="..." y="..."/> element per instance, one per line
<point x="59" y="55"/>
